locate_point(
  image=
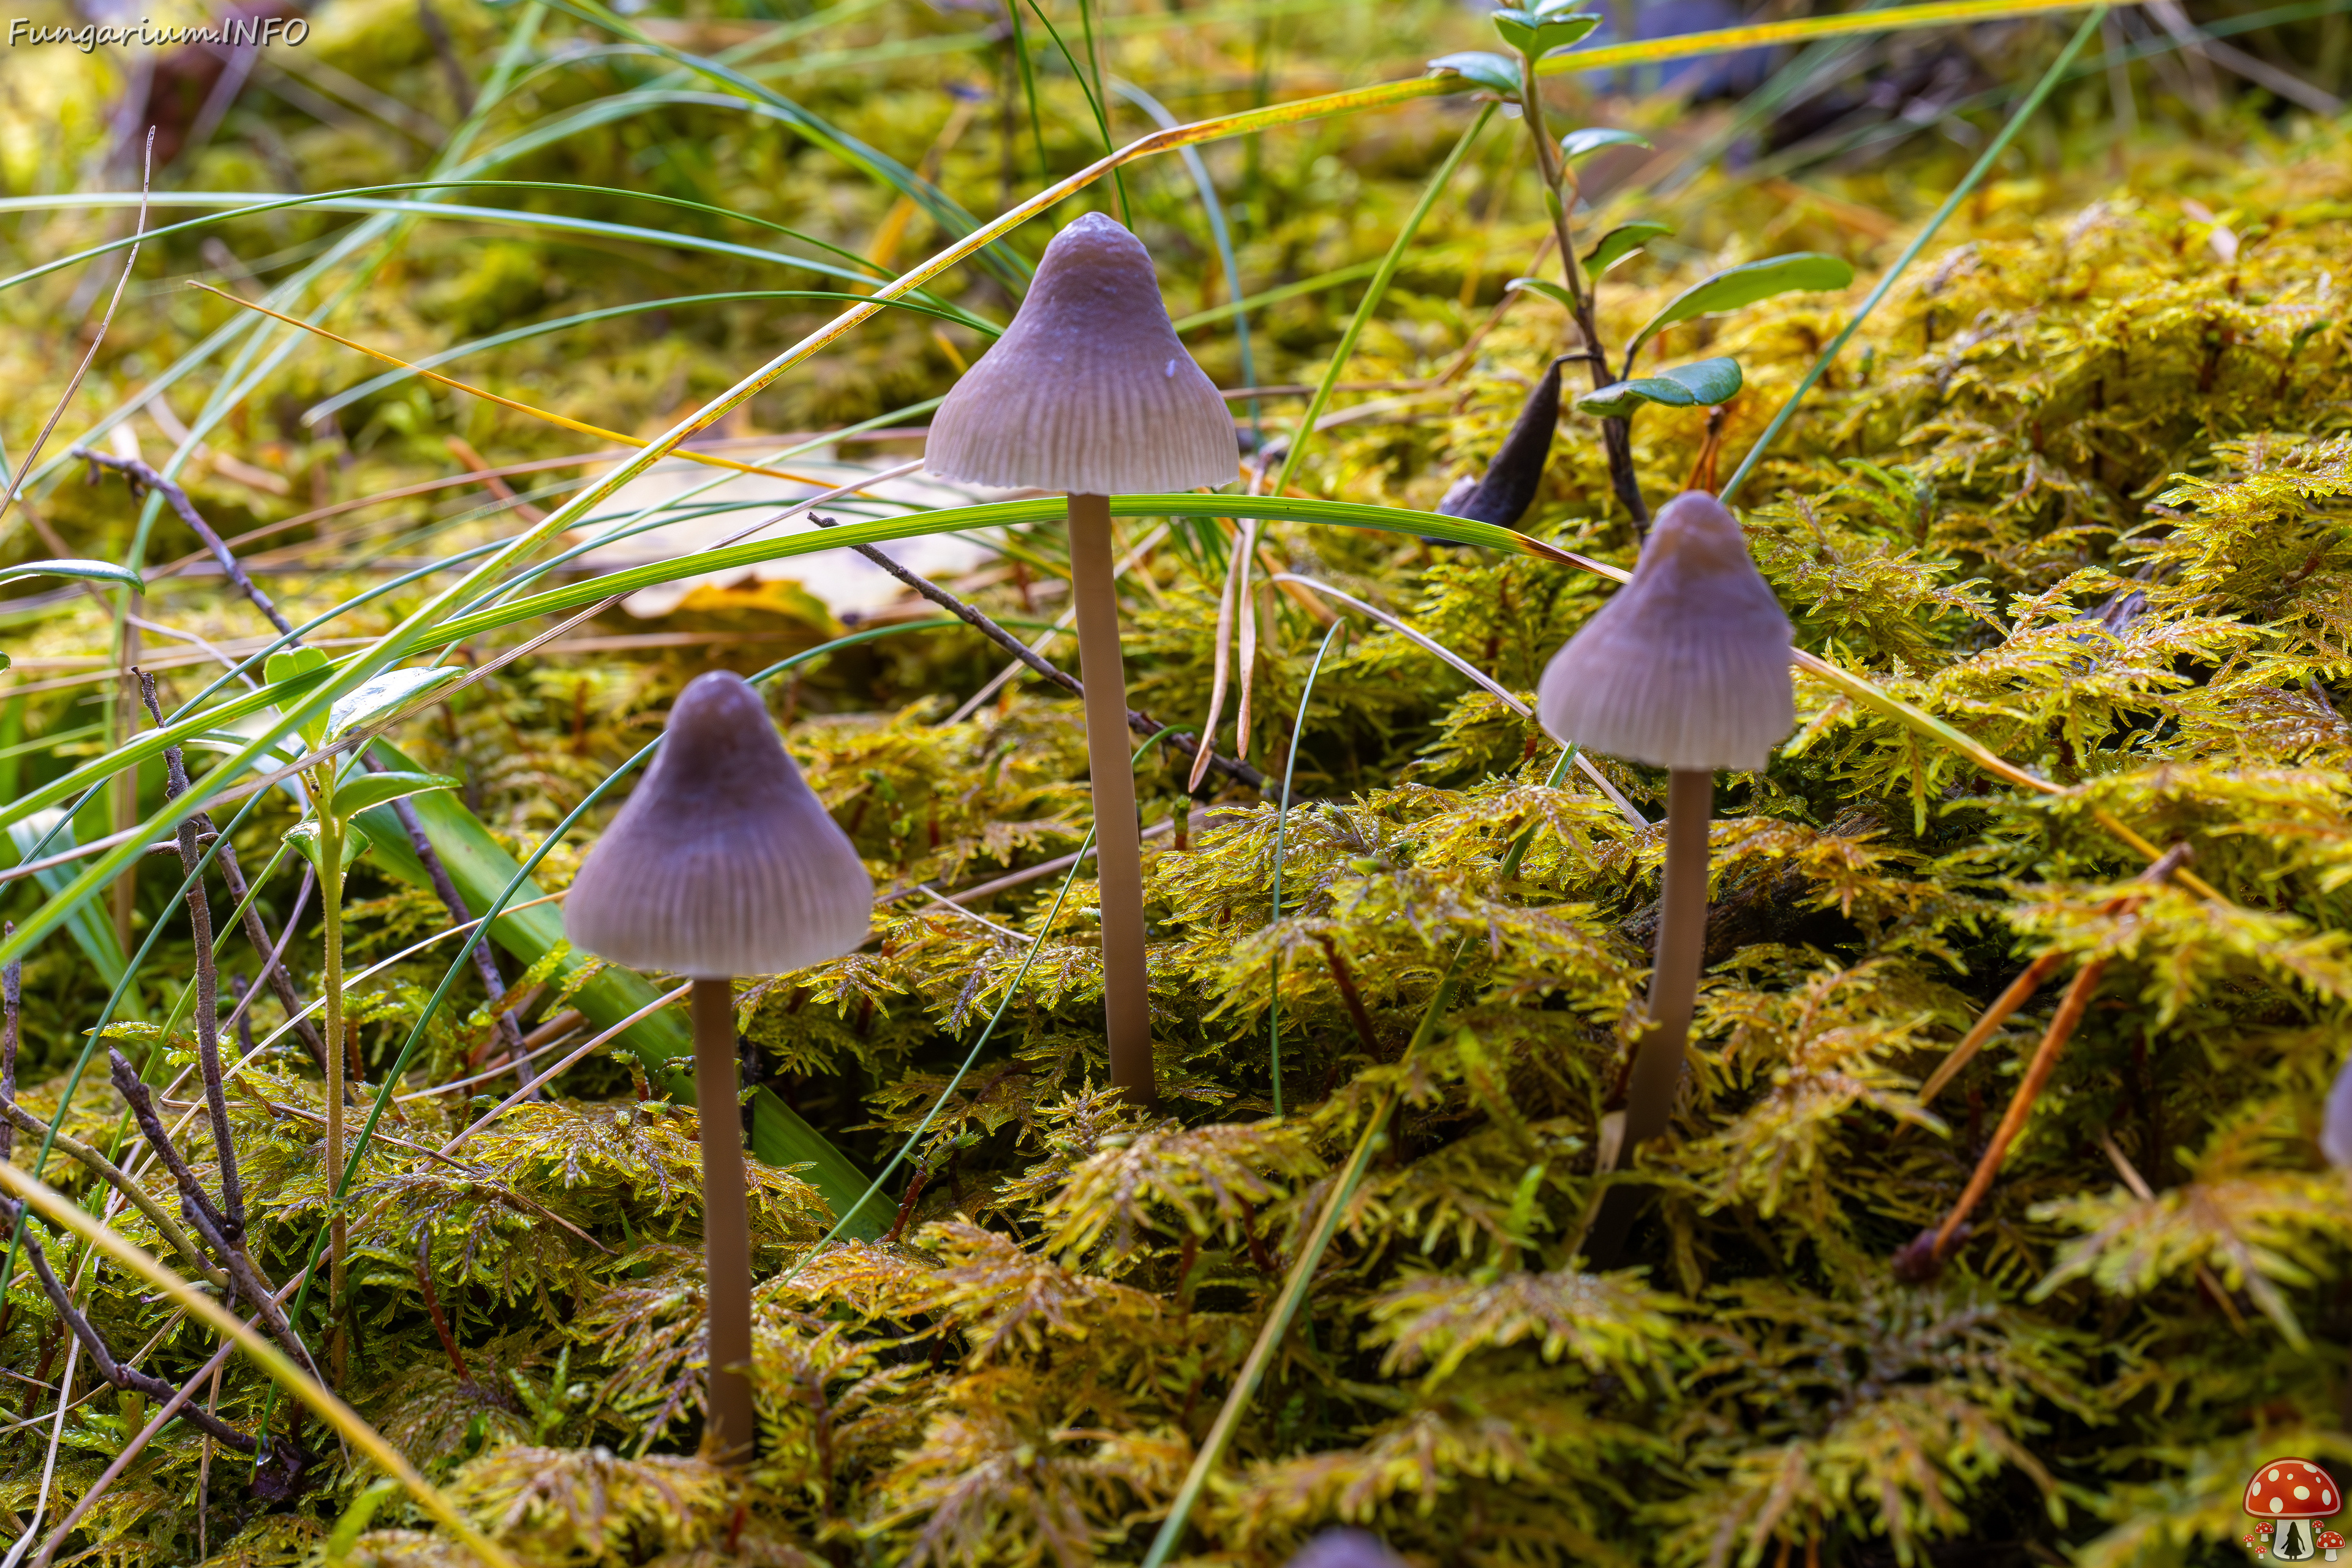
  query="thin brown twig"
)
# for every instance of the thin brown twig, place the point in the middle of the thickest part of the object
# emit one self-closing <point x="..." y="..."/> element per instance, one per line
<point x="207" y="980"/>
<point x="197" y="1206"/>
<point x="12" y="1008"/>
<point x="271" y="953"/>
<point x="1923" y="1257"/>
<point x="2029" y="980"/>
<point x="433" y="1305"/>
<point x="15" y="1118"/>
<point x="1348" y="992"/>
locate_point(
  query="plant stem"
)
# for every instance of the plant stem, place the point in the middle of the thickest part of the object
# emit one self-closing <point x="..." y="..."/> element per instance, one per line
<point x="1560" y="193"/>
<point x="1119" y="848"/>
<point x="726" y="1225"/>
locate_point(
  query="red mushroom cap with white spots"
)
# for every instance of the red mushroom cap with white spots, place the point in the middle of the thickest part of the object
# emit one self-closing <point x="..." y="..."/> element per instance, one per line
<point x="2291" y="1489"/>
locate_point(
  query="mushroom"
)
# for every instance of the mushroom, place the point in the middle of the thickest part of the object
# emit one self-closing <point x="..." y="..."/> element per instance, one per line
<point x="1686" y="668"/>
<point x="2291" y="1494"/>
<point x="723" y="862"/>
<point x="1345" y="1549"/>
<point x="2335" y="1121"/>
<point x="2330" y="1543"/>
<point x="1089" y="392"/>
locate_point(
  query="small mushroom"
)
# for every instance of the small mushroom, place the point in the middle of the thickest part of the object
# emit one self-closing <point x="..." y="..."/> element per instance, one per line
<point x="1089" y="392"/>
<point x="2335" y="1121"/>
<point x="1345" y="1549"/>
<point x="1686" y="668"/>
<point x="723" y="862"/>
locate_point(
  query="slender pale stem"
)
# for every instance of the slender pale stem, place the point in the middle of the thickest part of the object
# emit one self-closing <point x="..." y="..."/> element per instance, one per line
<point x="726" y="1225"/>
<point x="1682" y="939"/>
<point x="1674" y="991"/>
<point x="1118" y="846"/>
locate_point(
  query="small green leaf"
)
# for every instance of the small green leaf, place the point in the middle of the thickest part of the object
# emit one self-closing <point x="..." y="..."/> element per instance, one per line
<point x="1710" y="381"/>
<point x="304" y="836"/>
<point x="362" y="791"/>
<point x="1706" y="380"/>
<point x="1578" y="146"/>
<point x="89" y="570"/>
<point x="1500" y="72"/>
<point x="2304" y="333"/>
<point x="1737" y="286"/>
<point x="1620" y="243"/>
<point x="1550" y="290"/>
<point x="289" y="662"/>
<point x="1536" y="34"/>
<point x="382" y="695"/>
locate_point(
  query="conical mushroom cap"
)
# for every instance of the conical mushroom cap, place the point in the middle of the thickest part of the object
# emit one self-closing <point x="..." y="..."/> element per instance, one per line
<point x="1089" y="390"/>
<point x="724" y="862"/>
<point x="1687" y="666"/>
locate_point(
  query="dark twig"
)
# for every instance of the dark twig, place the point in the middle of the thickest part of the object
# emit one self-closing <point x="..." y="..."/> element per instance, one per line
<point x="194" y="1200"/>
<point x="1142" y="723"/>
<point x="113" y="1370"/>
<point x="433" y="1305"/>
<point x="486" y="963"/>
<point x="12" y="1010"/>
<point x="461" y="87"/>
<point x="200" y="928"/>
<point x="17" y="1119"/>
<point x="198" y="1209"/>
<point x="238" y="988"/>
<point x="1348" y="994"/>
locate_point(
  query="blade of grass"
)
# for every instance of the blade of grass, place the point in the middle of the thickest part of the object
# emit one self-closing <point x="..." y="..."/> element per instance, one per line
<point x="1281" y="822"/>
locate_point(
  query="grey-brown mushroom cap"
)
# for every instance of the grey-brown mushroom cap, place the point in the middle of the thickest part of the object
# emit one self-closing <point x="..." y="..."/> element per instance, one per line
<point x="1089" y="390"/>
<point x="1688" y="666"/>
<point x="724" y="861"/>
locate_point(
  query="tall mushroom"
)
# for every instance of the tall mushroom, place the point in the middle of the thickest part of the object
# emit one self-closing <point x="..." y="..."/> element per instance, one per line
<point x="723" y="862"/>
<point x="1686" y="668"/>
<point x="1089" y="392"/>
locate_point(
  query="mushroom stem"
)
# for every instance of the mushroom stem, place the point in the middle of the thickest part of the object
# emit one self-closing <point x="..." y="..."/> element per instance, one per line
<point x="1674" y="989"/>
<point x="1682" y="939"/>
<point x="726" y="1225"/>
<point x="1118" y="851"/>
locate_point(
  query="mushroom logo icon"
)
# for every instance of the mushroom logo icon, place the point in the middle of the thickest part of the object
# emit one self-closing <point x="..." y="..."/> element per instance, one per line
<point x="2292" y="1498"/>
